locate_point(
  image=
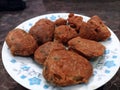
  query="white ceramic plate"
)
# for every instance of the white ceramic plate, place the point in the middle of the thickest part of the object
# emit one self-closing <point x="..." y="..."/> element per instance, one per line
<point x="29" y="74"/>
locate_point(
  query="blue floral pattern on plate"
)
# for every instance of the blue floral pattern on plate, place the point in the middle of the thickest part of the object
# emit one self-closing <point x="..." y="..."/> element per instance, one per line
<point x="25" y="71"/>
<point x="23" y="77"/>
<point x="13" y="61"/>
<point x="34" y="81"/>
<point x="109" y="64"/>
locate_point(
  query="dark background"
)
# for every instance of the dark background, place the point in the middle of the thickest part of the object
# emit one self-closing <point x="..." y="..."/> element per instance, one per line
<point x="108" y="10"/>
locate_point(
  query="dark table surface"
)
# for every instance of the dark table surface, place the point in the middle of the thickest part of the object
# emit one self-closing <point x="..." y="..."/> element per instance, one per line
<point x="108" y="10"/>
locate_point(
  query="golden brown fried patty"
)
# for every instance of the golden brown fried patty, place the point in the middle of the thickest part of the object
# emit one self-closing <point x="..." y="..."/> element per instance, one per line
<point x="44" y="50"/>
<point x="64" y="68"/>
<point x="75" y="21"/>
<point x="87" y="48"/>
<point x="43" y="31"/>
<point x="60" y="21"/>
<point x="64" y="33"/>
<point x="94" y="29"/>
<point x="21" y="43"/>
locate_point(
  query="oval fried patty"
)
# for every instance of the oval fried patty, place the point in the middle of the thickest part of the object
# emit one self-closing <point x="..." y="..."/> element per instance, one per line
<point x="21" y="43"/>
<point x="64" y="68"/>
<point x="43" y="31"/>
<point x="44" y="50"/>
<point x="64" y="33"/>
<point x="87" y="48"/>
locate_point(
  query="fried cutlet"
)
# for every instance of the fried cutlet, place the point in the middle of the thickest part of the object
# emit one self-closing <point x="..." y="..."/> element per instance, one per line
<point x="64" y="33"/>
<point x="43" y="31"/>
<point x="63" y="68"/>
<point x="94" y="29"/>
<point x="20" y="42"/>
<point x="87" y="48"/>
<point x="44" y="50"/>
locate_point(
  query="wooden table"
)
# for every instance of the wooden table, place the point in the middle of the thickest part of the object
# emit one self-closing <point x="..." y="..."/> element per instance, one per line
<point x="108" y="10"/>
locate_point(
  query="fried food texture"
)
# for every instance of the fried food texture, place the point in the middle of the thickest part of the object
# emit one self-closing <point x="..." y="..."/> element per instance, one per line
<point x="43" y="31"/>
<point x="87" y="48"/>
<point x="44" y="50"/>
<point x="64" y="47"/>
<point x="64" y="33"/>
<point x="75" y="21"/>
<point x="21" y="43"/>
<point x="94" y="29"/>
<point x="63" y="68"/>
<point x="60" y="21"/>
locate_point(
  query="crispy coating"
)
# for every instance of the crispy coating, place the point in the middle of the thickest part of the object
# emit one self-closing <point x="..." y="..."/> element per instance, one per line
<point x="71" y="15"/>
<point x="44" y="50"/>
<point x="87" y="48"/>
<point x="94" y="29"/>
<point x="63" y="68"/>
<point x="43" y="31"/>
<point x="60" y="21"/>
<point x="64" y="33"/>
<point x="75" y="21"/>
<point x="21" y="43"/>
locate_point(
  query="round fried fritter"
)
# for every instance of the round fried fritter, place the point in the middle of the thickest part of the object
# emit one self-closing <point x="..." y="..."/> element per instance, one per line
<point x="75" y="21"/>
<point x="60" y="21"/>
<point x="44" y="50"/>
<point x="21" y="43"/>
<point x="64" y="33"/>
<point x="94" y="29"/>
<point x="87" y="48"/>
<point x="43" y="31"/>
<point x="64" y="68"/>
